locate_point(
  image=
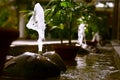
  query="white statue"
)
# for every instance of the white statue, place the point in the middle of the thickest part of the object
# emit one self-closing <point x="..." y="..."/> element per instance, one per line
<point x="37" y="23"/>
<point x="81" y="35"/>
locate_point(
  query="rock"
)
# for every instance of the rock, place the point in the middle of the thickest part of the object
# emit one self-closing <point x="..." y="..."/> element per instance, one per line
<point x="31" y="65"/>
<point x="56" y="59"/>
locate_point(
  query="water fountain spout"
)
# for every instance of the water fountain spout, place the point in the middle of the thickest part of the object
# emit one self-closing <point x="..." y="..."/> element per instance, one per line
<point x="37" y="23"/>
<point x="81" y="35"/>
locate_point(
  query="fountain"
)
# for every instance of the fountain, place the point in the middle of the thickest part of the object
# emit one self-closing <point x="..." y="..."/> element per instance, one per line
<point x="90" y="45"/>
<point x="37" y="23"/>
<point x="33" y="65"/>
<point x="81" y="35"/>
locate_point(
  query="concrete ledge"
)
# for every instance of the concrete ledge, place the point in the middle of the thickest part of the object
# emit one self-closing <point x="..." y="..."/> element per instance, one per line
<point x="34" y="42"/>
<point x="116" y="47"/>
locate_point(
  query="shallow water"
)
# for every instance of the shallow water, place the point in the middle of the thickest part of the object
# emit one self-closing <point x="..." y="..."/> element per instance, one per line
<point x="94" y="66"/>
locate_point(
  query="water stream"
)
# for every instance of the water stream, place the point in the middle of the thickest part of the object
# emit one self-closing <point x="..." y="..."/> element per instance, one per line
<point x="95" y="66"/>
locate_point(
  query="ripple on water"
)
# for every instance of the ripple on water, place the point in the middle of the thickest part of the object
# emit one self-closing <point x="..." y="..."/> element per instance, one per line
<point x="95" y="66"/>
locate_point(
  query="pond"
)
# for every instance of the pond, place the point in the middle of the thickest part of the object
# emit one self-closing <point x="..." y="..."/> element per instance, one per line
<point x="94" y="66"/>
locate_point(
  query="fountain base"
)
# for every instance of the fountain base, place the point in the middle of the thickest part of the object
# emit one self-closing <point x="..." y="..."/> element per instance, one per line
<point x="66" y="52"/>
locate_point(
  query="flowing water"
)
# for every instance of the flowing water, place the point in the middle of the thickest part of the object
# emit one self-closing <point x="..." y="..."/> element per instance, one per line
<point x="95" y="66"/>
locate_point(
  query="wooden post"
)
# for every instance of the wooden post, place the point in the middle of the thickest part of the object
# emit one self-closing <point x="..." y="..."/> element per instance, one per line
<point x="115" y="23"/>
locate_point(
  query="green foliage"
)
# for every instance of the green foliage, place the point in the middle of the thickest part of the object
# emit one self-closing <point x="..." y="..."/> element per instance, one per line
<point x="8" y="17"/>
<point x="3" y="17"/>
<point x="58" y="12"/>
<point x="70" y="14"/>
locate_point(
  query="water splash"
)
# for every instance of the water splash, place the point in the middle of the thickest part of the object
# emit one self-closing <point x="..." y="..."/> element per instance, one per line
<point x="37" y="23"/>
<point x="81" y="35"/>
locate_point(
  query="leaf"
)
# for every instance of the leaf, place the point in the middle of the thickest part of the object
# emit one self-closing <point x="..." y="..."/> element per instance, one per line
<point x="53" y="27"/>
<point x="63" y="4"/>
<point x="61" y="26"/>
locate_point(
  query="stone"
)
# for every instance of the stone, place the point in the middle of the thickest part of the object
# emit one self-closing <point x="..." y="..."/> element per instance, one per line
<point x="31" y="65"/>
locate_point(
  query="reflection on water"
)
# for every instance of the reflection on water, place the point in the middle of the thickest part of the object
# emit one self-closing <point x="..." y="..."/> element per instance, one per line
<point x="95" y="66"/>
